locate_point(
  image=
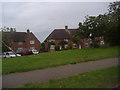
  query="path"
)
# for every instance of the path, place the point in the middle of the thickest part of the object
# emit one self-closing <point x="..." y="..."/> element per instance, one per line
<point x="17" y="79"/>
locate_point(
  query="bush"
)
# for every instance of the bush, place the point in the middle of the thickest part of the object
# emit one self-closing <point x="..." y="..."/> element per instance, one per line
<point x="57" y="48"/>
<point x="69" y="47"/>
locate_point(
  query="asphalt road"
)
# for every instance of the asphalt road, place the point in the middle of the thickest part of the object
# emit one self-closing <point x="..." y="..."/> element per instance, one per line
<point x="18" y="79"/>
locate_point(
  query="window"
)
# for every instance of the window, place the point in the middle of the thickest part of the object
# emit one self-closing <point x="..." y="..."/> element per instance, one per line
<point x="20" y="48"/>
<point x="52" y="46"/>
<point x="66" y="45"/>
<point x="101" y="42"/>
<point x="66" y="40"/>
<point x="20" y="43"/>
<point x="51" y="40"/>
<point x="32" y="48"/>
<point x="32" y="42"/>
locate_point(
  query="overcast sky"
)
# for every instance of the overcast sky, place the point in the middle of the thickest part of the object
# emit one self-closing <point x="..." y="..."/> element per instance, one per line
<point x="43" y="17"/>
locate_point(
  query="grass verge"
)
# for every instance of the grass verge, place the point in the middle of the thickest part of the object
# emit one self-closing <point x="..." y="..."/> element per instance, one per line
<point x="104" y="78"/>
<point x="33" y="62"/>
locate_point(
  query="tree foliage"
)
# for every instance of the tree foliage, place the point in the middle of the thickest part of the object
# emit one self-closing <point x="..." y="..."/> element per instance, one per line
<point x="105" y="25"/>
<point x="6" y="31"/>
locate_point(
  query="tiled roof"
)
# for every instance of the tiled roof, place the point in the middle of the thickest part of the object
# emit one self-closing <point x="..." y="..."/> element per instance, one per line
<point x="21" y="36"/>
<point x="61" y="34"/>
<point x="18" y="36"/>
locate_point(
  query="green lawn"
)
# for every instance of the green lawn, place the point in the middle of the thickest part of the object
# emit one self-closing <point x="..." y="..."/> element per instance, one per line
<point x="104" y="78"/>
<point x="32" y="62"/>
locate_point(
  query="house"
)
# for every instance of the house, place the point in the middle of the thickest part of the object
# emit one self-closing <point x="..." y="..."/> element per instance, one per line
<point x="61" y="38"/>
<point x="24" y="40"/>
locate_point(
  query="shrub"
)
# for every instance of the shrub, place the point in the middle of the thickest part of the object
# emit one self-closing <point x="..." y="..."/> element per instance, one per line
<point x="57" y="48"/>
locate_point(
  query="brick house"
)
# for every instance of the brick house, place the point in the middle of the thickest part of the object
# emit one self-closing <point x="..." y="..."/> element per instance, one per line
<point x="65" y="35"/>
<point x="24" y="40"/>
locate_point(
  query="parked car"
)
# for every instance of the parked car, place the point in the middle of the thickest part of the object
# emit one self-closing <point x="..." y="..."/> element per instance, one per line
<point x="9" y="55"/>
<point x="34" y="51"/>
<point x="24" y="52"/>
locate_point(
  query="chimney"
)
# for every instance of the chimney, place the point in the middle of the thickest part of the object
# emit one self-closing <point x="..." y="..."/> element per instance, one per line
<point x="66" y="29"/>
<point x="28" y="31"/>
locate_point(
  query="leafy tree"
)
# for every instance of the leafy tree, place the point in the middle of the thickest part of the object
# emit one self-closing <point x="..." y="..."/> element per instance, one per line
<point x="62" y="43"/>
<point x="57" y="48"/>
<point x="42" y="46"/>
<point x="106" y="25"/>
<point x="6" y="31"/>
<point x="5" y="41"/>
<point x="114" y="14"/>
<point x="51" y="43"/>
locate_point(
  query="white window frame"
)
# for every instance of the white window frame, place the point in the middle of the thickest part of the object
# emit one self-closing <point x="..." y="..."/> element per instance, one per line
<point x="66" y="40"/>
<point x="20" y="43"/>
<point x="32" y="42"/>
<point x="66" y="45"/>
<point x="102" y="42"/>
<point x="19" y="48"/>
<point x="52" y="46"/>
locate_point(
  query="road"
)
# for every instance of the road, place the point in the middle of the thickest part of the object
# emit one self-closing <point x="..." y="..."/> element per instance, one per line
<point x="18" y="79"/>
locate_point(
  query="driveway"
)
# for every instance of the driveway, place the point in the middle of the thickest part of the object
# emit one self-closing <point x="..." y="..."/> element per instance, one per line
<point x="17" y="79"/>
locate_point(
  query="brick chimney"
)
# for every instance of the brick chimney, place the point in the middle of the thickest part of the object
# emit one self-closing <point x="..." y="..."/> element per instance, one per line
<point x="28" y="31"/>
<point x="66" y="29"/>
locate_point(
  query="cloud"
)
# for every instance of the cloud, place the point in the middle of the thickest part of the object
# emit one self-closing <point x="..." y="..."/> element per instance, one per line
<point x="43" y="17"/>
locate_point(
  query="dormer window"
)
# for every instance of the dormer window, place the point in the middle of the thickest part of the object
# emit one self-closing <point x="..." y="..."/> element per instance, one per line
<point x="32" y="42"/>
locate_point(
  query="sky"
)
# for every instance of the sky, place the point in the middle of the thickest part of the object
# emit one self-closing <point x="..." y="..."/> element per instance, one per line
<point x="43" y="17"/>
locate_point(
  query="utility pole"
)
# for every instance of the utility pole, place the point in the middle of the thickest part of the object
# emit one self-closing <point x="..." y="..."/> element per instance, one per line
<point x="10" y="48"/>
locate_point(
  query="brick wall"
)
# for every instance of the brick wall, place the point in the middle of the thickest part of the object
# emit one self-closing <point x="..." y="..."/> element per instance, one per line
<point x="26" y="43"/>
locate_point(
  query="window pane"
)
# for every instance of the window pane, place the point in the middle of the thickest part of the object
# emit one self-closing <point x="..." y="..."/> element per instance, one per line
<point x="20" y="43"/>
<point x="32" y="42"/>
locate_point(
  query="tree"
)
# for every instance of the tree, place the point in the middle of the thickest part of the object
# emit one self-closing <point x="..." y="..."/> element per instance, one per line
<point x="62" y="43"/>
<point x="42" y="46"/>
<point x="114" y="14"/>
<point x="76" y="38"/>
<point x="5" y="41"/>
<point x="105" y="25"/>
<point x="51" y="43"/>
<point x="6" y="31"/>
<point x="92" y="27"/>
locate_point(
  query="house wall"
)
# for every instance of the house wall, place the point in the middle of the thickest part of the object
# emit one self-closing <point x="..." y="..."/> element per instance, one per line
<point x="26" y="43"/>
<point x="15" y="45"/>
<point x="33" y="38"/>
<point x="83" y="43"/>
<point x="69" y="42"/>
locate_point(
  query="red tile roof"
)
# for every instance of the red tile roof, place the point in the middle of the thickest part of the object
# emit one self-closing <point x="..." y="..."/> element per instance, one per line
<point x="20" y="36"/>
<point x="61" y="34"/>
